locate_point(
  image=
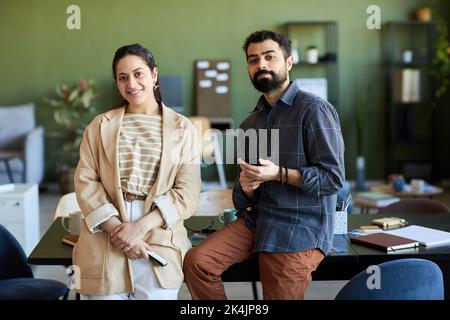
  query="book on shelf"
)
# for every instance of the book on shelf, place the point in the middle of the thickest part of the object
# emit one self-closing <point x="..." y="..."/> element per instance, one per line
<point x="376" y="198"/>
<point x="425" y="236"/>
<point x="385" y="242"/>
<point x="407" y="85"/>
<point x="70" y="239"/>
<point x="415" y="86"/>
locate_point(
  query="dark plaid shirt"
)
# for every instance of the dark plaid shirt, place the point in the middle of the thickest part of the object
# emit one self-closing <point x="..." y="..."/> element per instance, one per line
<point x="287" y="218"/>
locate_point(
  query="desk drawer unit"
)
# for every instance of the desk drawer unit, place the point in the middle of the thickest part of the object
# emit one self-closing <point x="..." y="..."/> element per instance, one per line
<point x="11" y="210"/>
<point x="19" y="213"/>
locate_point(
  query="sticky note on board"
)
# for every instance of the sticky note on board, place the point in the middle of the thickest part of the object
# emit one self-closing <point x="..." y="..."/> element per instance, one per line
<point x="221" y="89"/>
<point x="211" y="73"/>
<point x="205" y="83"/>
<point x="222" y="77"/>
<point x="223" y="66"/>
<point x="202" y="64"/>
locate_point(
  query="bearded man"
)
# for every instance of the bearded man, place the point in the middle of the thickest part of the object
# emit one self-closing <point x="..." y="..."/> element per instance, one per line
<point x="286" y="209"/>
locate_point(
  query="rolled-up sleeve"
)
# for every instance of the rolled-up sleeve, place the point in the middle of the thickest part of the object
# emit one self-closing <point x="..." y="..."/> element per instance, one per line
<point x="169" y="211"/>
<point x="98" y="216"/>
<point x="325" y="147"/>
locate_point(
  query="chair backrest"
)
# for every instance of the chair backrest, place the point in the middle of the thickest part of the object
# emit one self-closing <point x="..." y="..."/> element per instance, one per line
<point x="15" y="122"/>
<point x="403" y="279"/>
<point x="415" y="206"/>
<point x="203" y="126"/>
<point x="66" y="204"/>
<point x="13" y="262"/>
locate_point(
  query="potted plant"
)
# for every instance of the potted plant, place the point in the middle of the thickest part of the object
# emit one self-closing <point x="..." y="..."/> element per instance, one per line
<point x="440" y="65"/>
<point x="424" y="14"/>
<point x="73" y="110"/>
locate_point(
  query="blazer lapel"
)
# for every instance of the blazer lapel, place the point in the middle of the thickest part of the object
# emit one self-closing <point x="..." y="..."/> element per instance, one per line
<point x="109" y="131"/>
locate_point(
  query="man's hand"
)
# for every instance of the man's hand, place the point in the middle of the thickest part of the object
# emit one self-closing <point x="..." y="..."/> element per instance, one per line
<point x="248" y="184"/>
<point x="127" y="235"/>
<point x="266" y="171"/>
<point x="252" y="176"/>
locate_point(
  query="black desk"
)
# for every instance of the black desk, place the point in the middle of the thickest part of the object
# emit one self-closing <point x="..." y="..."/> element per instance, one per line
<point x="51" y="251"/>
<point x="336" y="266"/>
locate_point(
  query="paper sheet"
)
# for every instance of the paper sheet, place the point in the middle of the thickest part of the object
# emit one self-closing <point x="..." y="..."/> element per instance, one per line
<point x="425" y="236"/>
<point x="221" y="89"/>
<point x="202" y="64"/>
<point x="205" y="83"/>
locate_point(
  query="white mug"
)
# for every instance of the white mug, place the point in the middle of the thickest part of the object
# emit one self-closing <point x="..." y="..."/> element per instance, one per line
<point x="75" y="220"/>
<point x="418" y="185"/>
<point x="407" y="56"/>
<point x="228" y="216"/>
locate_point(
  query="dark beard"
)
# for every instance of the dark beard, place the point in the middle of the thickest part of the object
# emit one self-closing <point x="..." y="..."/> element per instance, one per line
<point x="265" y="85"/>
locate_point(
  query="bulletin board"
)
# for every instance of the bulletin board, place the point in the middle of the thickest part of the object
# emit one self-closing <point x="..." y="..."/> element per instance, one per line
<point x="213" y="88"/>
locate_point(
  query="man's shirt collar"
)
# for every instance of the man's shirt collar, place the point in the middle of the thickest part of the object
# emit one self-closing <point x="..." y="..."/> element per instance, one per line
<point x="286" y="99"/>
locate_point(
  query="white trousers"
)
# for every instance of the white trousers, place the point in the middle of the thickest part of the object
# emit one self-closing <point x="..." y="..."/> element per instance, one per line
<point x="146" y="286"/>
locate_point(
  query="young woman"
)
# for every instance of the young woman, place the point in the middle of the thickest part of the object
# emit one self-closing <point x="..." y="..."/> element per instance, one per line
<point x="138" y="178"/>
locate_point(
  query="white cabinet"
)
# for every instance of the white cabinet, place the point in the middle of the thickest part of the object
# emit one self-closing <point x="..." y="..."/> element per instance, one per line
<point x="19" y="213"/>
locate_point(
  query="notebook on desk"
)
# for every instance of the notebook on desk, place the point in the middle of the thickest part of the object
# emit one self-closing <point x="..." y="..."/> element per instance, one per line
<point x="425" y="236"/>
<point x="385" y="242"/>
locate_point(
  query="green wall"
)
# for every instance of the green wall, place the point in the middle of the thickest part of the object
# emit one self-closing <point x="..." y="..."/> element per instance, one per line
<point x="38" y="51"/>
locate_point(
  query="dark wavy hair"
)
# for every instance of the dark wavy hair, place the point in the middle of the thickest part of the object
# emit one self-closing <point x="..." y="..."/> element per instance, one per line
<point x="137" y="50"/>
<point x="262" y="35"/>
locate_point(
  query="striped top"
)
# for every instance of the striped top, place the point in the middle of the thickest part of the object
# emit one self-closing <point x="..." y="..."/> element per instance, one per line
<point x="140" y="145"/>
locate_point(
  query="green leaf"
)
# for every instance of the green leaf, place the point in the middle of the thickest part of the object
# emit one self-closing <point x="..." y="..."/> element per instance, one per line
<point x="59" y="92"/>
<point x="73" y="95"/>
<point x="72" y="115"/>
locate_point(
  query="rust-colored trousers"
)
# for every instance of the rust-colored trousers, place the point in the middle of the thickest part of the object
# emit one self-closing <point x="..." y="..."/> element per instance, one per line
<point x="283" y="275"/>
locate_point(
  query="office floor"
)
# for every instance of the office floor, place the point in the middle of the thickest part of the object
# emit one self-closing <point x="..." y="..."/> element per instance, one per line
<point x="319" y="290"/>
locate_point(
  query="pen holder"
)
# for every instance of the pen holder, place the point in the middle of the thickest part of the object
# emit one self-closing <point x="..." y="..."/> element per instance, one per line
<point x="340" y="222"/>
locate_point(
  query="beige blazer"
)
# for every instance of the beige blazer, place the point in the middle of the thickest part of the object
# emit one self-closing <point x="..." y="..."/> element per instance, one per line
<point x="104" y="269"/>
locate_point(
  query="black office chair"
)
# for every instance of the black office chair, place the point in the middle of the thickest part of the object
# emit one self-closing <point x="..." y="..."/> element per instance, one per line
<point x="415" y="206"/>
<point x="16" y="277"/>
